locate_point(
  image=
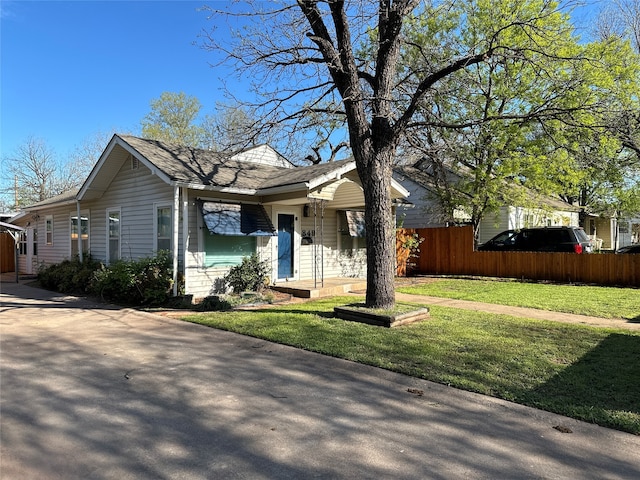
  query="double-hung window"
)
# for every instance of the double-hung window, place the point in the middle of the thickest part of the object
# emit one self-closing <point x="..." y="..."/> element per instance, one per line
<point x="164" y="228"/>
<point x="48" y="229"/>
<point x="113" y="234"/>
<point x="22" y="243"/>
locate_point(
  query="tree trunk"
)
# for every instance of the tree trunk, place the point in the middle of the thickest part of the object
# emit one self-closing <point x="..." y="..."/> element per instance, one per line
<point x="376" y="182"/>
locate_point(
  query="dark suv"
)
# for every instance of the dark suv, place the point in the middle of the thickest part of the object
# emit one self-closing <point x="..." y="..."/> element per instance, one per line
<point x="541" y="239"/>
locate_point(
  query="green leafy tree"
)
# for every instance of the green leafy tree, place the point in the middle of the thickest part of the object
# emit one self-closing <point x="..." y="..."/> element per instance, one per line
<point x="172" y="120"/>
<point x="522" y="118"/>
<point x="600" y="154"/>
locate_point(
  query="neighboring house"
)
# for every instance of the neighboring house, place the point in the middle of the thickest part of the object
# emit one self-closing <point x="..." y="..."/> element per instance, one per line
<point x="209" y="210"/>
<point x="10" y="236"/>
<point x="426" y="210"/>
<point x="611" y="233"/>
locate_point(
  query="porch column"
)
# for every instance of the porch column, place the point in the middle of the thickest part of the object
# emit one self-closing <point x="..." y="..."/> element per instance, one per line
<point x="176" y="226"/>
<point x="185" y="232"/>
<point x="79" y="224"/>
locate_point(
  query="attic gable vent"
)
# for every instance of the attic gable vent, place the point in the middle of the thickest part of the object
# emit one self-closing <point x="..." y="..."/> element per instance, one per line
<point x="135" y="163"/>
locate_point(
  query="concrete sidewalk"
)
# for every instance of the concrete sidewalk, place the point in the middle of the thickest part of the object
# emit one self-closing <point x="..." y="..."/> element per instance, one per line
<point x="522" y="312"/>
<point x="93" y="391"/>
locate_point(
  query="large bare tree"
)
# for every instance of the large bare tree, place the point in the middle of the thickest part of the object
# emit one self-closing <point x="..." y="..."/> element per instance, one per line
<point x="32" y="172"/>
<point x="341" y="61"/>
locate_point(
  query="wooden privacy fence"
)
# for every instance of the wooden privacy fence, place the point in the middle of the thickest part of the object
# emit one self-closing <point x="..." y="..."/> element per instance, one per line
<point x="7" y="253"/>
<point x="449" y="251"/>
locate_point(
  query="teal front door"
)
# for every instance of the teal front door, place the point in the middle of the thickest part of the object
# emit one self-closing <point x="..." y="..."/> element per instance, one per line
<point x="285" y="245"/>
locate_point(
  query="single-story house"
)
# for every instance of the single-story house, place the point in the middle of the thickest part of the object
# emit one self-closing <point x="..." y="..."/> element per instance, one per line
<point x="209" y="210"/>
<point x="611" y="233"/>
<point x="425" y="211"/>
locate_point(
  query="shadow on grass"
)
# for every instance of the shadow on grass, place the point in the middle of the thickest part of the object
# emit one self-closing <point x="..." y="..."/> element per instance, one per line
<point x="604" y="381"/>
<point x="634" y="319"/>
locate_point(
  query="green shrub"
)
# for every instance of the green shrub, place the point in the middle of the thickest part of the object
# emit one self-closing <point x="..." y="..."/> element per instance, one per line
<point x="69" y="276"/>
<point x="250" y="275"/>
<point x="214" y="303"/>
<point x="147" y="281"/>
<point x="154" y="278"/>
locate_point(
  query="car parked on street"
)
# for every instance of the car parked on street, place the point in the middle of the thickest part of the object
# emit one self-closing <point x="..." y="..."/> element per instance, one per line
<point x="629" y="249"/>
<point x="541" y="239"/>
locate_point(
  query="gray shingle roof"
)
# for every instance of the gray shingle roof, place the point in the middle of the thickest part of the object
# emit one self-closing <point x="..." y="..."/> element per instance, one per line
<point x="426" y="180"/>
<point x="303" y="174"/>
<point x="68" y="196"/>
<point x="204" y="167"/>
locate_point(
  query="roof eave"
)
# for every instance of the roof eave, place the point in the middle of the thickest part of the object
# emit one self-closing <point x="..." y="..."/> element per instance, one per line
<point x="332" y="175"/>
<point x="292" y="187"/>
<point x="399" y="188"/>
<point x="61" y="203"/>
<point x="214" y="188"/>
<point x="9" y="226"/>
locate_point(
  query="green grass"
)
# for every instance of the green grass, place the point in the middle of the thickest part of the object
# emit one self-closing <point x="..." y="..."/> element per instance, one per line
<point x="603" y="302"/>
<point x="587" y="373"/>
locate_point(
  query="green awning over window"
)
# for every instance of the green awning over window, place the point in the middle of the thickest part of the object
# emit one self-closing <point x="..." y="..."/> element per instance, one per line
<point x="236" y="219"/>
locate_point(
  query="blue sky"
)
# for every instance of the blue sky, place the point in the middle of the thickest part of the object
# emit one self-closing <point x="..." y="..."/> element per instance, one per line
<point x="70" y="69"/>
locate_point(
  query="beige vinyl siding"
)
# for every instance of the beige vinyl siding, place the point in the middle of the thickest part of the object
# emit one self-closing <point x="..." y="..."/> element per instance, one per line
<point x="59" y="250"/>
<point x="606" y="232"/>
<point x="22" y="259"/>
<point x="331" y="263"/>
<point x="135" y="192"/>
<point x="262" y="154"/>
<point x="424" y="211"/>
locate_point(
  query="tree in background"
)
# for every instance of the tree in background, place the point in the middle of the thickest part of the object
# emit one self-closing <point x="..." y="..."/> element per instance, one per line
<point x="33" y="173"/>
<point x="85" y="155"/>
<point x="234" y="128"/>
<point x="172" y="120"/>
<point x="514" y="119"/>
<point x="608" y="154"/>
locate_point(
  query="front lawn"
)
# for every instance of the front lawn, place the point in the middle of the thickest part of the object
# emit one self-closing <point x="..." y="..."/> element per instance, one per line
<point x="603" y="302"/>
<point x="586" y="373"/>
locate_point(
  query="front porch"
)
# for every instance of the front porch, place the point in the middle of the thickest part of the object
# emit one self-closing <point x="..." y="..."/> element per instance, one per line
<point x="327" y="288"/>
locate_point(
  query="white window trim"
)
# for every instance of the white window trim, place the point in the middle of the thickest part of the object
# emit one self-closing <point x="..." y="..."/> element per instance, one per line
<point x="156" y="206"/>
<point x="48" y="220"/>
<point x="23" y="244"/>
<point x="108" y="250"/>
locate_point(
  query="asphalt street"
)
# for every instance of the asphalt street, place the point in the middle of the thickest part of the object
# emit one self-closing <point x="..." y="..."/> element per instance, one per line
<point x="89" y="391"/>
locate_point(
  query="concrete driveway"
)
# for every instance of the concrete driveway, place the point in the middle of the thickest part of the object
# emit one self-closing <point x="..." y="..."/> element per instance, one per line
<point x="92" y="392"/>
